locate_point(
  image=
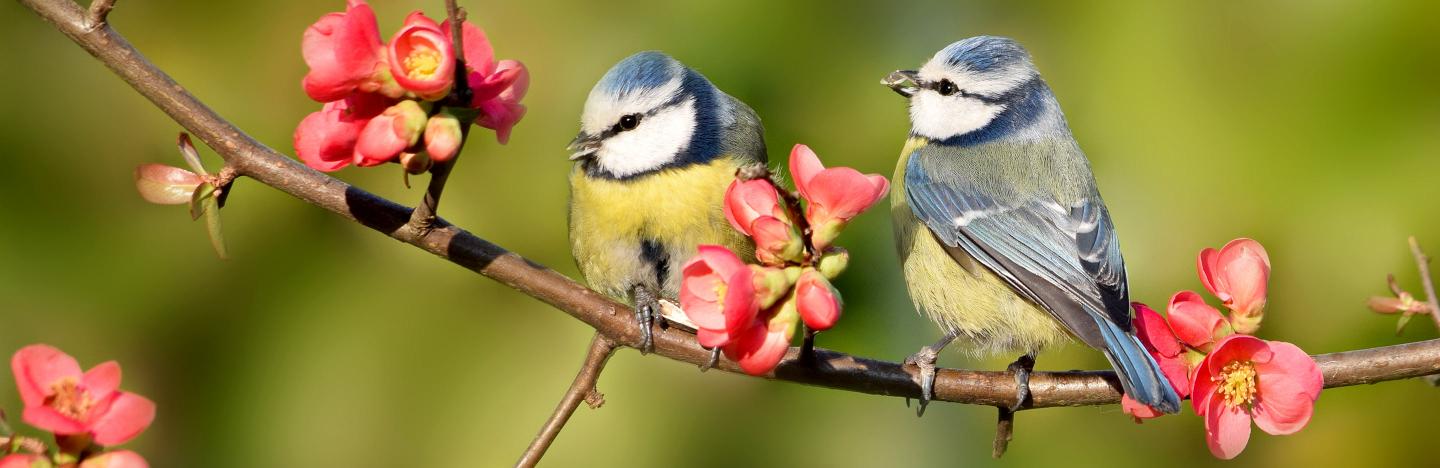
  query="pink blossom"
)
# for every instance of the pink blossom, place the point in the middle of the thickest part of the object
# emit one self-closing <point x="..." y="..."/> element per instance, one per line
<point x="116" y="459"/>
<point x="818" y="302"/>
<point x="1196" y="323"/>
<point x="60" y="398"/>
<point x="1272" y="383"/>
<point x="1175" y="361"/>
<point x="165" y="185"/>
<point x="835" y="195"/>
<point x="747" y="200"/>
<point x="717" y="293"/>
<point x="443" y="136"/>
<point x="1238" y="274"/>
<point x="344" y="52"/>
<point x="325" y="140"/>
<point x="421" y="58"/>
<point x="501" y="112"/>
<point x="390" y="133"/>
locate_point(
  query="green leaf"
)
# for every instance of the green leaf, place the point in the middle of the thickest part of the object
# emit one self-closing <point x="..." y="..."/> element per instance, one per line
<point x="204" y="192"/>
<point x="212" y="226"/>
<point x="192" y="157"/>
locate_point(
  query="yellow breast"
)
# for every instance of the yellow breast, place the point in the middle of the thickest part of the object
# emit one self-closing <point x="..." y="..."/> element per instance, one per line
<point x="990" y="316"/>
<point x="676" y="208"/>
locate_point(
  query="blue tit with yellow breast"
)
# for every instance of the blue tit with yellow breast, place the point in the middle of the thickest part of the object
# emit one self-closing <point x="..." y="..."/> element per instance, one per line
<point x="658" y="145"/>
<point x="1000" y="228"/>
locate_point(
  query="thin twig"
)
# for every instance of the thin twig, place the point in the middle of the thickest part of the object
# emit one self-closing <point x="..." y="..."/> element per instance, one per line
<point x="830" y="369"/>
<point x="1423" y="261"/>
<point x="99" y="13"/>
<point x="582" y="389"/>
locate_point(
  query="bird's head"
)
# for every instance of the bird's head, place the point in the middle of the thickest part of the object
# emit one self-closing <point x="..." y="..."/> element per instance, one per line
<point x="643" y="116"/>
<point x="966" y="86"/>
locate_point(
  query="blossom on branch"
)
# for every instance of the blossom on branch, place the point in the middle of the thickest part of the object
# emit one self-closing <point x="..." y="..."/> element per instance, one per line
<point x="1272" y="383"/>
<point x="61" y="399"/>
<point x="1238" y="274"/>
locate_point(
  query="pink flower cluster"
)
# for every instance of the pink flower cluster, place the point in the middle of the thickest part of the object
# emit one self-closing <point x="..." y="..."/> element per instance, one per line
<point x="381" y="99"/>
<point x="83" y="409"/>
<point x="1231" y="377"/>
<point x="751" y="311"/>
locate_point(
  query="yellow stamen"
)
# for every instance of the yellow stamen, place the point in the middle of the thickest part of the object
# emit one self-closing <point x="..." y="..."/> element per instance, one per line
<point x="67" y="399"/>
<point x="1237" y="383"/>
<point x="720" y="289"/>
<point x="422" y="62"/>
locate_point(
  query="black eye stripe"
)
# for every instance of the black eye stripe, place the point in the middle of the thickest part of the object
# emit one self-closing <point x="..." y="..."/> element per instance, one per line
<point x="940" y="87"/>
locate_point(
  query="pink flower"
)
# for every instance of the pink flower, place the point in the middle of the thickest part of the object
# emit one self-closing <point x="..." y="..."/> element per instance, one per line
<point x="496" y="88"/>
<point x="502" y="111"/>
<point x="818" y="302"/>
<point x="1272" y="383"/>
<point x="25" y="460"/>
<point x="116" y="459"/>
<point x="1196" y="323"/>
<point x="1175" y="361"/>
<point x="748" y="200"/>
<point x="325" y="140"/>
<point x="762" y="345"/>
<point x="717" y="293"/>
<point x="1238" y="274"/>
<point x="753" y="207"/>
<point x="421" y="58"/>
<point x="443" y="136"/>
<point x="835" y="195"/>
<point x="390" y="133"/>
<point x="60" y="398"/>
<point x="343" y="51"/>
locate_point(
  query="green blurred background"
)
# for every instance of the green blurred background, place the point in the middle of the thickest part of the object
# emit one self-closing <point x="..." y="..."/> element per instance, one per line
<point x="1311" y="126"/>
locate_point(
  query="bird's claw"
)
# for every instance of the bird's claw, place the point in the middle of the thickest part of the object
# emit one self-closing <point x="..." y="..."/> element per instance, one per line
<point x="714" y="359"/>
<point x="1022" y="368"/>
<point x="645" y="315"/>
<point x="924" y="361"/>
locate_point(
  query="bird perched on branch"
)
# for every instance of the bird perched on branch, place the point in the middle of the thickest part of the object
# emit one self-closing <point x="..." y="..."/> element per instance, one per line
<point x="658" y="145"/>
<point x="1001" y="231"/>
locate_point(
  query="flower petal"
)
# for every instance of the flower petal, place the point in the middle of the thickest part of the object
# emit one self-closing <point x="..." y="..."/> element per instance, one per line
<point x="45" y="417"/>
<point x="1227" y="429"/>
<point x="115" y="459"/>
<point x="1194" y="322"/>
<point x="1288" y="386"/>
<point x="37" y="367"/>
<point x="102" y="380"/>
<point x="128" y="416"/>
<point x="1154" y="332"/>
<point x="804" y="164"/>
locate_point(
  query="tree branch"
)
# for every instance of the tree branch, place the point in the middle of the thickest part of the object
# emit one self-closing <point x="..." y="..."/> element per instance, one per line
<point x="601" y="348"/>
<point x="828" y="369"/>
<point x="1423" y="261"/>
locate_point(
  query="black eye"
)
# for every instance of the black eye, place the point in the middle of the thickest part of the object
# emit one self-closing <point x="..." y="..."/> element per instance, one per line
<point x="629" y="122"/>
<point x="946" y="88"/>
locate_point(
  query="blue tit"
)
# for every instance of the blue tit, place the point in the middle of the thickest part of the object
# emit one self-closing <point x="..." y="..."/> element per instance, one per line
<point x="1001" y="231"/>
<point x="658" y="145"/>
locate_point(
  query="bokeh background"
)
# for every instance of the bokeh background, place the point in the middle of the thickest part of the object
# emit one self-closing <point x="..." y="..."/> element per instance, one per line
<point x="1311" y="126"/>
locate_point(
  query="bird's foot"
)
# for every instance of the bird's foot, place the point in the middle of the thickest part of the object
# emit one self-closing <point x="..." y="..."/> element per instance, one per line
<point x="1022" y="368"/>
<point x="647" y="308"/>
<point x="714" y="359"/>
<point x="924" y="360"/>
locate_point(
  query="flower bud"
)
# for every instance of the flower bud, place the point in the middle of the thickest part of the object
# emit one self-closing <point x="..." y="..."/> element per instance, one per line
<point x="818" y="302"/>
<point x="442" y="136"/>
<point x="389" y="133"/>
<point x="1238" y="274"/>
<point x="415" y="163"/>
<point x="776" y="242"/>
<point x="833" y="262"/>
<point x="771" y="285"/>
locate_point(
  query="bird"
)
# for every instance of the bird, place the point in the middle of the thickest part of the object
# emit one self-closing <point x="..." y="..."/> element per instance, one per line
<point x="1002" y="235"/>
<point x="657" y="147"/>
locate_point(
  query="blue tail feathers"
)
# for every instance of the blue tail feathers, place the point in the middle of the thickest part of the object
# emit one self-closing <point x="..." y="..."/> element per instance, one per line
<point x="1139" y="373"/>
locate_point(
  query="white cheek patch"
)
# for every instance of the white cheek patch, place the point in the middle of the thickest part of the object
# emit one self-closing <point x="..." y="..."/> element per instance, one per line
<point x="603" y="109"/>
<point x="658" y="140"/>
<point x="940" y="117"/>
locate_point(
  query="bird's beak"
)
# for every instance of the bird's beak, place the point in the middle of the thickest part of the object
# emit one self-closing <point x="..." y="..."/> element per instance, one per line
<point x="583" y="146"/>
<point x="904" y="82"/>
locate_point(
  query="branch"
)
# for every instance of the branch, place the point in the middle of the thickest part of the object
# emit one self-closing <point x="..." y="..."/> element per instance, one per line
<point x="583" y="389"/>
<point x="828" y="368"/>
<point x="1423" y="261"/>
